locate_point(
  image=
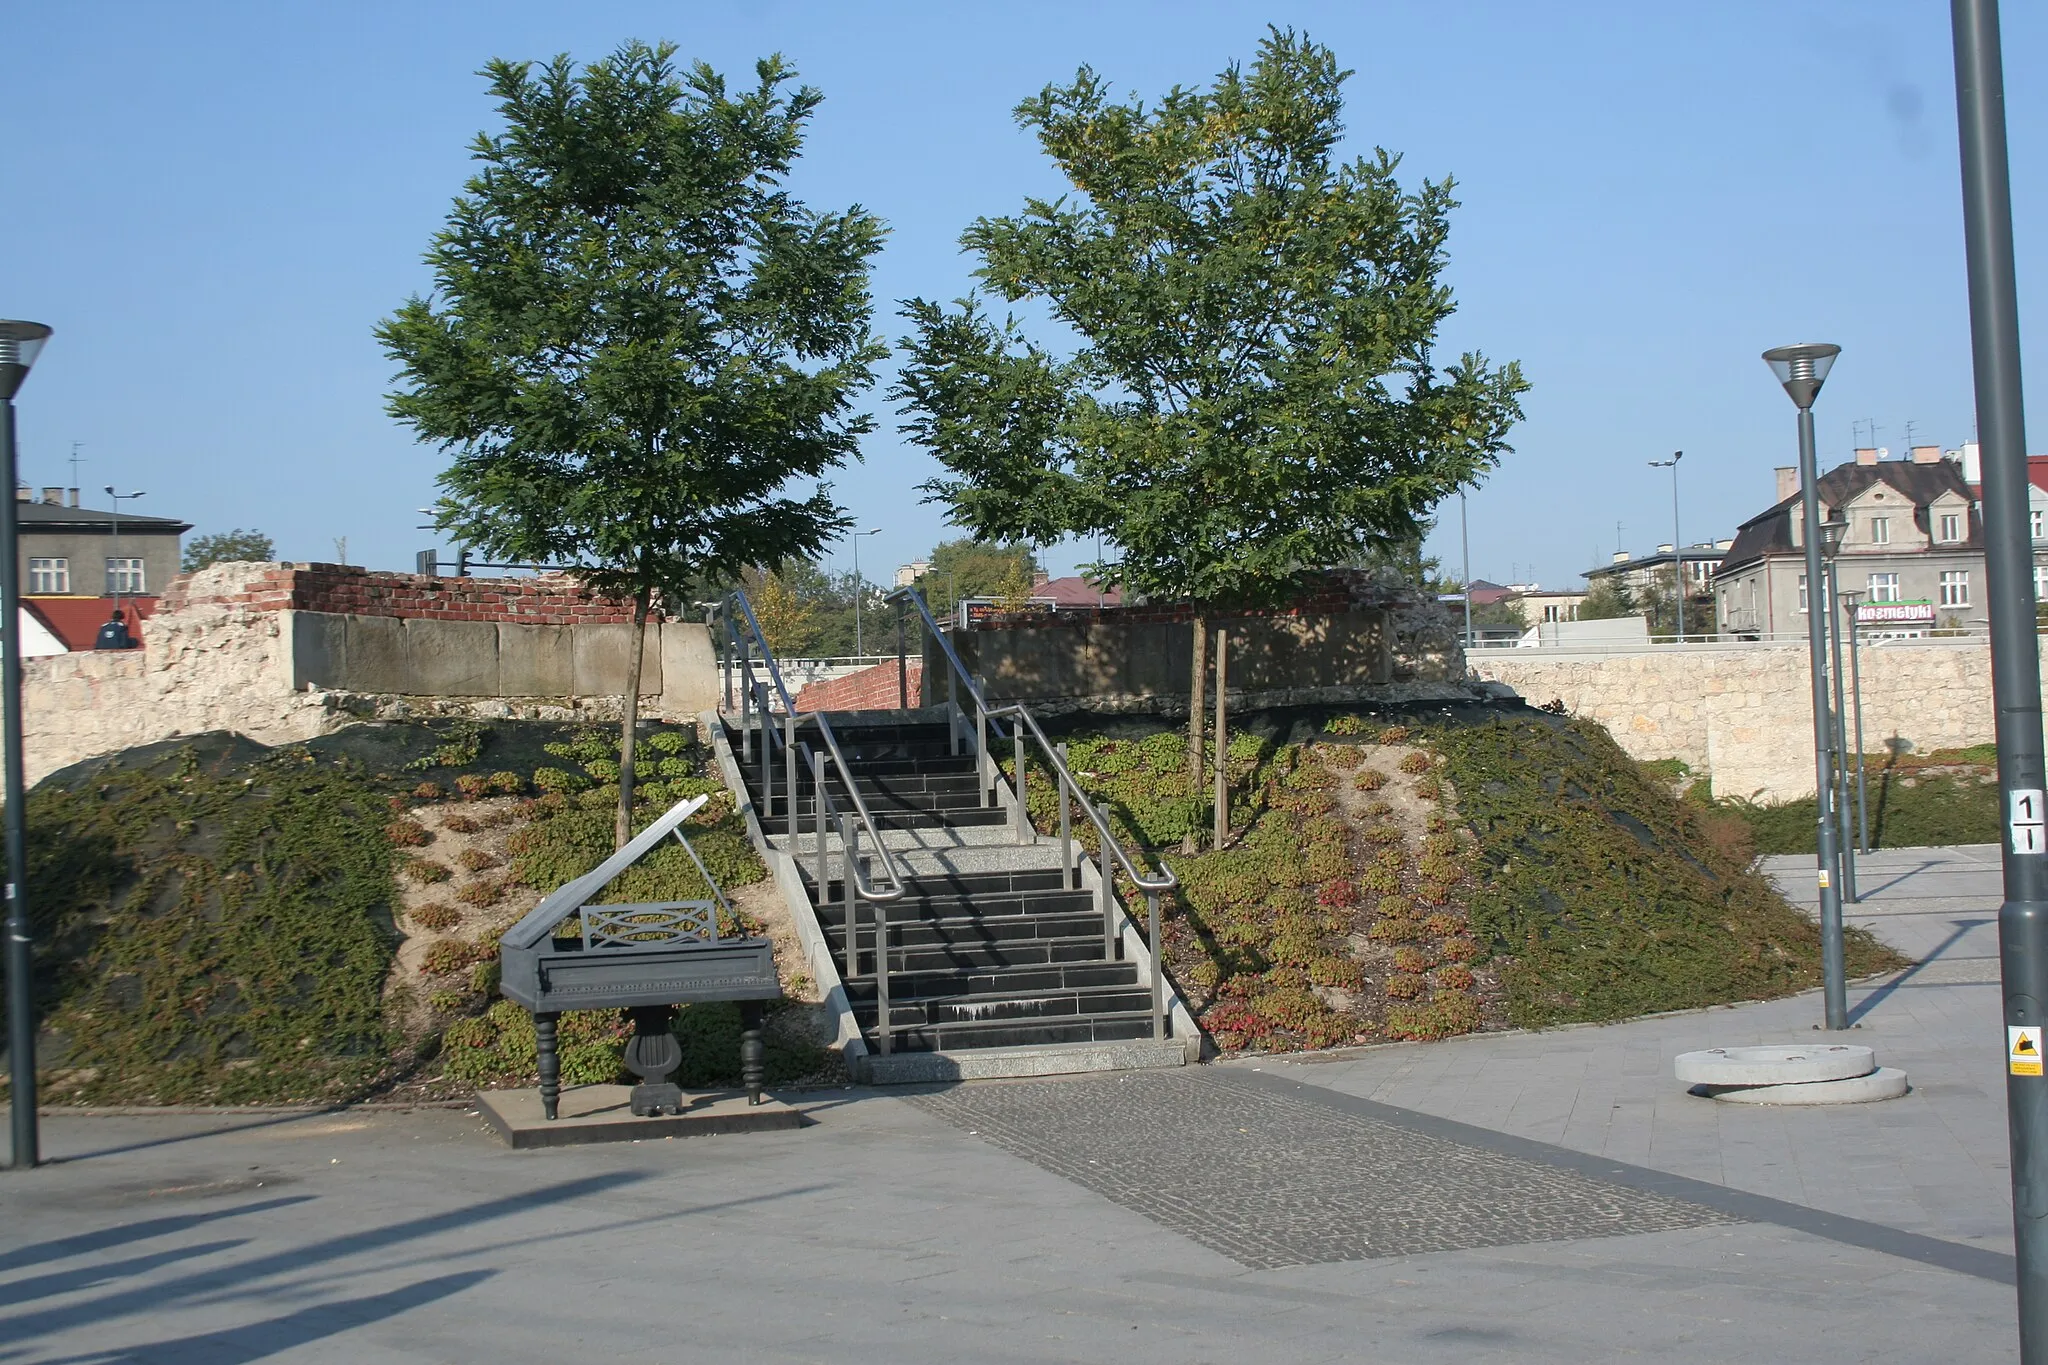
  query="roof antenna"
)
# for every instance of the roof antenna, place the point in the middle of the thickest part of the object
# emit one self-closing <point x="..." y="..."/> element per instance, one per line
<point x="76" y="461"/>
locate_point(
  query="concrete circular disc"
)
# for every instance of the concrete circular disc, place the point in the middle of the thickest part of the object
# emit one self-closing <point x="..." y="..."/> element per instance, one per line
<point x="1775" y="1065"/>
<point x="1885" y="1083"/>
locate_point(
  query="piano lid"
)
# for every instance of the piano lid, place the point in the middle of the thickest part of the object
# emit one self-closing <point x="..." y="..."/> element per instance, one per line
<point x="570" y="897"/>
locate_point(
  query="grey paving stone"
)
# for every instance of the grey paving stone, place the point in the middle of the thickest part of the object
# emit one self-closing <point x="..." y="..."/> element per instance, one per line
<point x="1271" y="1181"/>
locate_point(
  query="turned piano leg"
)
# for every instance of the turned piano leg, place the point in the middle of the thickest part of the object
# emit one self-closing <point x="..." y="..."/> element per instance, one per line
<point x="550" y="1063"/>
<point x="753" y="1056"/>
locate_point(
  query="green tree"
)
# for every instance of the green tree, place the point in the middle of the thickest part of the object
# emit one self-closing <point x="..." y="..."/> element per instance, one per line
<point x="637" y="337"/>
<point x="1254" y="393"/>
<point x="968" y="568"/>
<point x="1608" y="599"/>
<point x="227" y="547"/>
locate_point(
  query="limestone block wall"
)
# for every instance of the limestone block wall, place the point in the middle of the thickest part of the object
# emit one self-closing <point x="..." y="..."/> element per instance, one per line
<point x="1745" y="716"/>
<point x="228" y="649"/>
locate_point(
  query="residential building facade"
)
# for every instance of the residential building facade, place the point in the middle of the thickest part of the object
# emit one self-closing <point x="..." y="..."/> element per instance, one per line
<point x="1913" y="536"/>
<point x="72" y="551"/>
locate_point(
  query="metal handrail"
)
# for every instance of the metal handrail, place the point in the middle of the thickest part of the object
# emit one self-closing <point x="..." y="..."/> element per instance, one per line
<point x="864" y="888"/>
<point x="1053" y="759"/>
<point x="1069" y="788"/>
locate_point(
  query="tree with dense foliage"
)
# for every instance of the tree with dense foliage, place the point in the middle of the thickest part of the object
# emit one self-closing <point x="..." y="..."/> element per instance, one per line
<point x="1254" y="394"/>
<point x="967" y="568"/>
<point x="785" y="618"/>
<point x="637" y="337"/>
<point x="227" y="547"/>
<point x="1608" y="600"/>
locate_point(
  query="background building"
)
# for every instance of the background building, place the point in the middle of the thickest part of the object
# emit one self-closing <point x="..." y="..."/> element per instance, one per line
<point x="1914" y="536"/>
<point x="72" y="551"/>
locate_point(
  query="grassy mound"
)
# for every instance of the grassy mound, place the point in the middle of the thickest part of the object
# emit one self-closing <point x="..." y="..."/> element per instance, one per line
<point x="1421" y="873"/>
<point x="218" y="922"/>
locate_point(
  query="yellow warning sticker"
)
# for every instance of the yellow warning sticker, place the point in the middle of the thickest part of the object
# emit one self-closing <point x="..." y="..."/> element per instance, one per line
<point x="2023" y="1049"/>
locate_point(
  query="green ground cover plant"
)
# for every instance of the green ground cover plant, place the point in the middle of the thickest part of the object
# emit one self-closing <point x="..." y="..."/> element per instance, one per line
<point x="1913" y="801"/>
<point x="215" y="919"/>
<point x="1415" y="874"/>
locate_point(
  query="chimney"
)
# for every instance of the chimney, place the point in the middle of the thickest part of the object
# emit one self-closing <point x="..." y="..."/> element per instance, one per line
<point x="1926" y="454"/>
<point x="1866" y="454"/>
<point x="74" y="496"/>
<point x="22" y="493"/>
<point x="1788" y="481"/>
<point x="54" y="497"/>
<point x="1039" y="578"/>
<point x="1621" y="556"/>
<point x="1665" y="549"/>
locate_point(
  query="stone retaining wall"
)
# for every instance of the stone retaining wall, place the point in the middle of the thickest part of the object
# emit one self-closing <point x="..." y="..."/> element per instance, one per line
<point x="1745" y="716"/>
<point x="236" y="647"/>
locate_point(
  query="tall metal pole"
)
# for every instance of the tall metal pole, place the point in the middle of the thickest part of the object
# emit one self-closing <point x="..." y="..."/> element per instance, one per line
<point x="1677" y="547"/>
<point x="1854" y="628"/>
<point x="1465" y="549"/>
<point x="2015" y="661"/>
<point x="1827" y="856"/>
<point x="859" y="591"/>
<point x="1847" y="845"/>
<point x="21" y="1005"/>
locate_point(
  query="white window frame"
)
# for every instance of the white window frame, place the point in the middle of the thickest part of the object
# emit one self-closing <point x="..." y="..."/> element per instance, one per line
<point x="2038" y="520"/>
<point x="1951" y="525"/>
<point x="1955" y="587"/>
<point x="1880" y="530"/>
<point x="1883" y="587"/>
<point x="49" y="574"/>
<point x="125" y="576"/>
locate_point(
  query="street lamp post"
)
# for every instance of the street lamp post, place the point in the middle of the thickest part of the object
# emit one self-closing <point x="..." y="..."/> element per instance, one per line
<point x="20" y="342"/>
<point x="1849" y="602"/>
<point x="114" y="584"/>
<point x="1677" y="544"/>
<point x="1832" y="532"/>
<point x="1802" y="370"/>
<point x="2015" y="659"/>
<point x="860" y="590"/>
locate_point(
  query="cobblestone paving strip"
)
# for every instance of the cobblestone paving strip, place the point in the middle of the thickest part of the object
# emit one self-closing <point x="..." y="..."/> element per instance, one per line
<point x="1271" y="1181"/>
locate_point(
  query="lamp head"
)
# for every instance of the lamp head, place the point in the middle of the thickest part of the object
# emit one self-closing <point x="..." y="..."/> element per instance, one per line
<point x="1832" y="531"/>
<point x="1802" y="369"/>
<point x="20" y="343"/>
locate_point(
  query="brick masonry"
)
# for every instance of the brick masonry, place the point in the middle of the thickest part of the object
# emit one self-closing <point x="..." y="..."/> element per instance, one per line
<point x="344" y="590"/>
<point x="872" y="689"/>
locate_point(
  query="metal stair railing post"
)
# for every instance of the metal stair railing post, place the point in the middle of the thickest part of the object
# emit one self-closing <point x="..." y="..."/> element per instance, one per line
<point x="767" y="765"/>
<point x="1158" y="968"/>
<point x="902" y="664"/>
<point x="789" y="773"/>
<point x="981" y="763"/>
<point x="847" y="900"/>
<point x="953" y="722"/>
<point x="1020" y="818"/>
<point x="818" y="781"/>
<point x="1066" y="829"/>
<point x="885" y="1026"/>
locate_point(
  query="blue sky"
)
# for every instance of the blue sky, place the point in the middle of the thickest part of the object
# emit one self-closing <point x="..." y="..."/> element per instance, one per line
<point x="214" y="203"/>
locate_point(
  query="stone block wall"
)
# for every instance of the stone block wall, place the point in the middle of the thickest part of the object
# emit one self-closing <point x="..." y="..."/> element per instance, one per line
<point x="1745" y="716"/>
<point x="256" y="648"/>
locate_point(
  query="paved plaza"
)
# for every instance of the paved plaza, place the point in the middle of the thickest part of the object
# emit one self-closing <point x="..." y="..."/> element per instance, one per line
<point x="1522" y="1197"/>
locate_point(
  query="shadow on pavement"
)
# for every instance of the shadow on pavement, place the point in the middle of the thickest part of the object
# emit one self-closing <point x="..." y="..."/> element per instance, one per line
<point x="218" y="1283"/>
<point x="1883" y="993"/>
<point x="59" y="1248"/>
<point x="255" y="1341"/>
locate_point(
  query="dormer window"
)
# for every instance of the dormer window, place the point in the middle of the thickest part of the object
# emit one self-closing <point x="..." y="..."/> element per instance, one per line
<point x="1880" y="530"/>
<point x="1951" y="527"/>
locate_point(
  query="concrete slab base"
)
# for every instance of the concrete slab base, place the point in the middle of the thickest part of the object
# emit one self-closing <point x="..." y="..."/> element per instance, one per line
<point x="601" y="1113"/>
<point x="994" y="1063"/>
<point x="1775" y="1065"/>
<point x="1885" y="1083"/>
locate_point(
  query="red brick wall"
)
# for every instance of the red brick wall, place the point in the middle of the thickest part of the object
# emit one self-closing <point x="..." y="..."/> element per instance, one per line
<point x="545" y="600"/>
<point x="872" y="689"/>
<point x="1341" y="590"/>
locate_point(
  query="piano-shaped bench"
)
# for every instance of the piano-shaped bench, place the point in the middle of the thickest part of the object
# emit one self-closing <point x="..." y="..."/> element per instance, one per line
<point x="642" y="958"/>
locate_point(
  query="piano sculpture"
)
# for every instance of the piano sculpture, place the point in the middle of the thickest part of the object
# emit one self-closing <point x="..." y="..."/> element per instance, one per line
<point x="574" y="954"/>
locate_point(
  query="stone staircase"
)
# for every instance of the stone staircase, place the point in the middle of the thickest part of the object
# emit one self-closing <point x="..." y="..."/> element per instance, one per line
<point x="999" y="963"/>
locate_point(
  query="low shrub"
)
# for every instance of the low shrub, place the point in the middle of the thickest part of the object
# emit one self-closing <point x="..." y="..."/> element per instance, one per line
<point x="458" y="823"/>
<point x="423" y="870"/>
<point x="1414" y="764"/>
<point x="428" y="791"/>
<point x="1405" y="986"/>
<point x="1441" y="924"/>
<point x="1394" y="734"/>
<point x="435" y="917"/>
<point x="1456" y="977"/>
<point x="1396" y="930"/>
<point x="1448" y="1015"/>
<point x="473" y="786"/>
<point x="407" y="834"/>
<point x="1458" y="949"/>
<point x="1387" y="836"/>
<point x="1369" y="780"/>
<point x="477" y="859"/>
<point x="1337" y="893"/>
<point x="1411" y="960"/>
<point x="449" y="955"/>
<point x="481" y="893"/>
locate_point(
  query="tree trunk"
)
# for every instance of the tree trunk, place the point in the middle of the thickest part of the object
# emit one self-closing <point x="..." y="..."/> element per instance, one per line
<point x="1222" y="739"/>
<point x="623" y="831"/>
<point x="1199" y="701"/>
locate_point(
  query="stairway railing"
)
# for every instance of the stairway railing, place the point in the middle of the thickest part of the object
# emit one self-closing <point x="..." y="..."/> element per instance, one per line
<point x="756" y="703"/>
<point x="1068" y="789"/>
